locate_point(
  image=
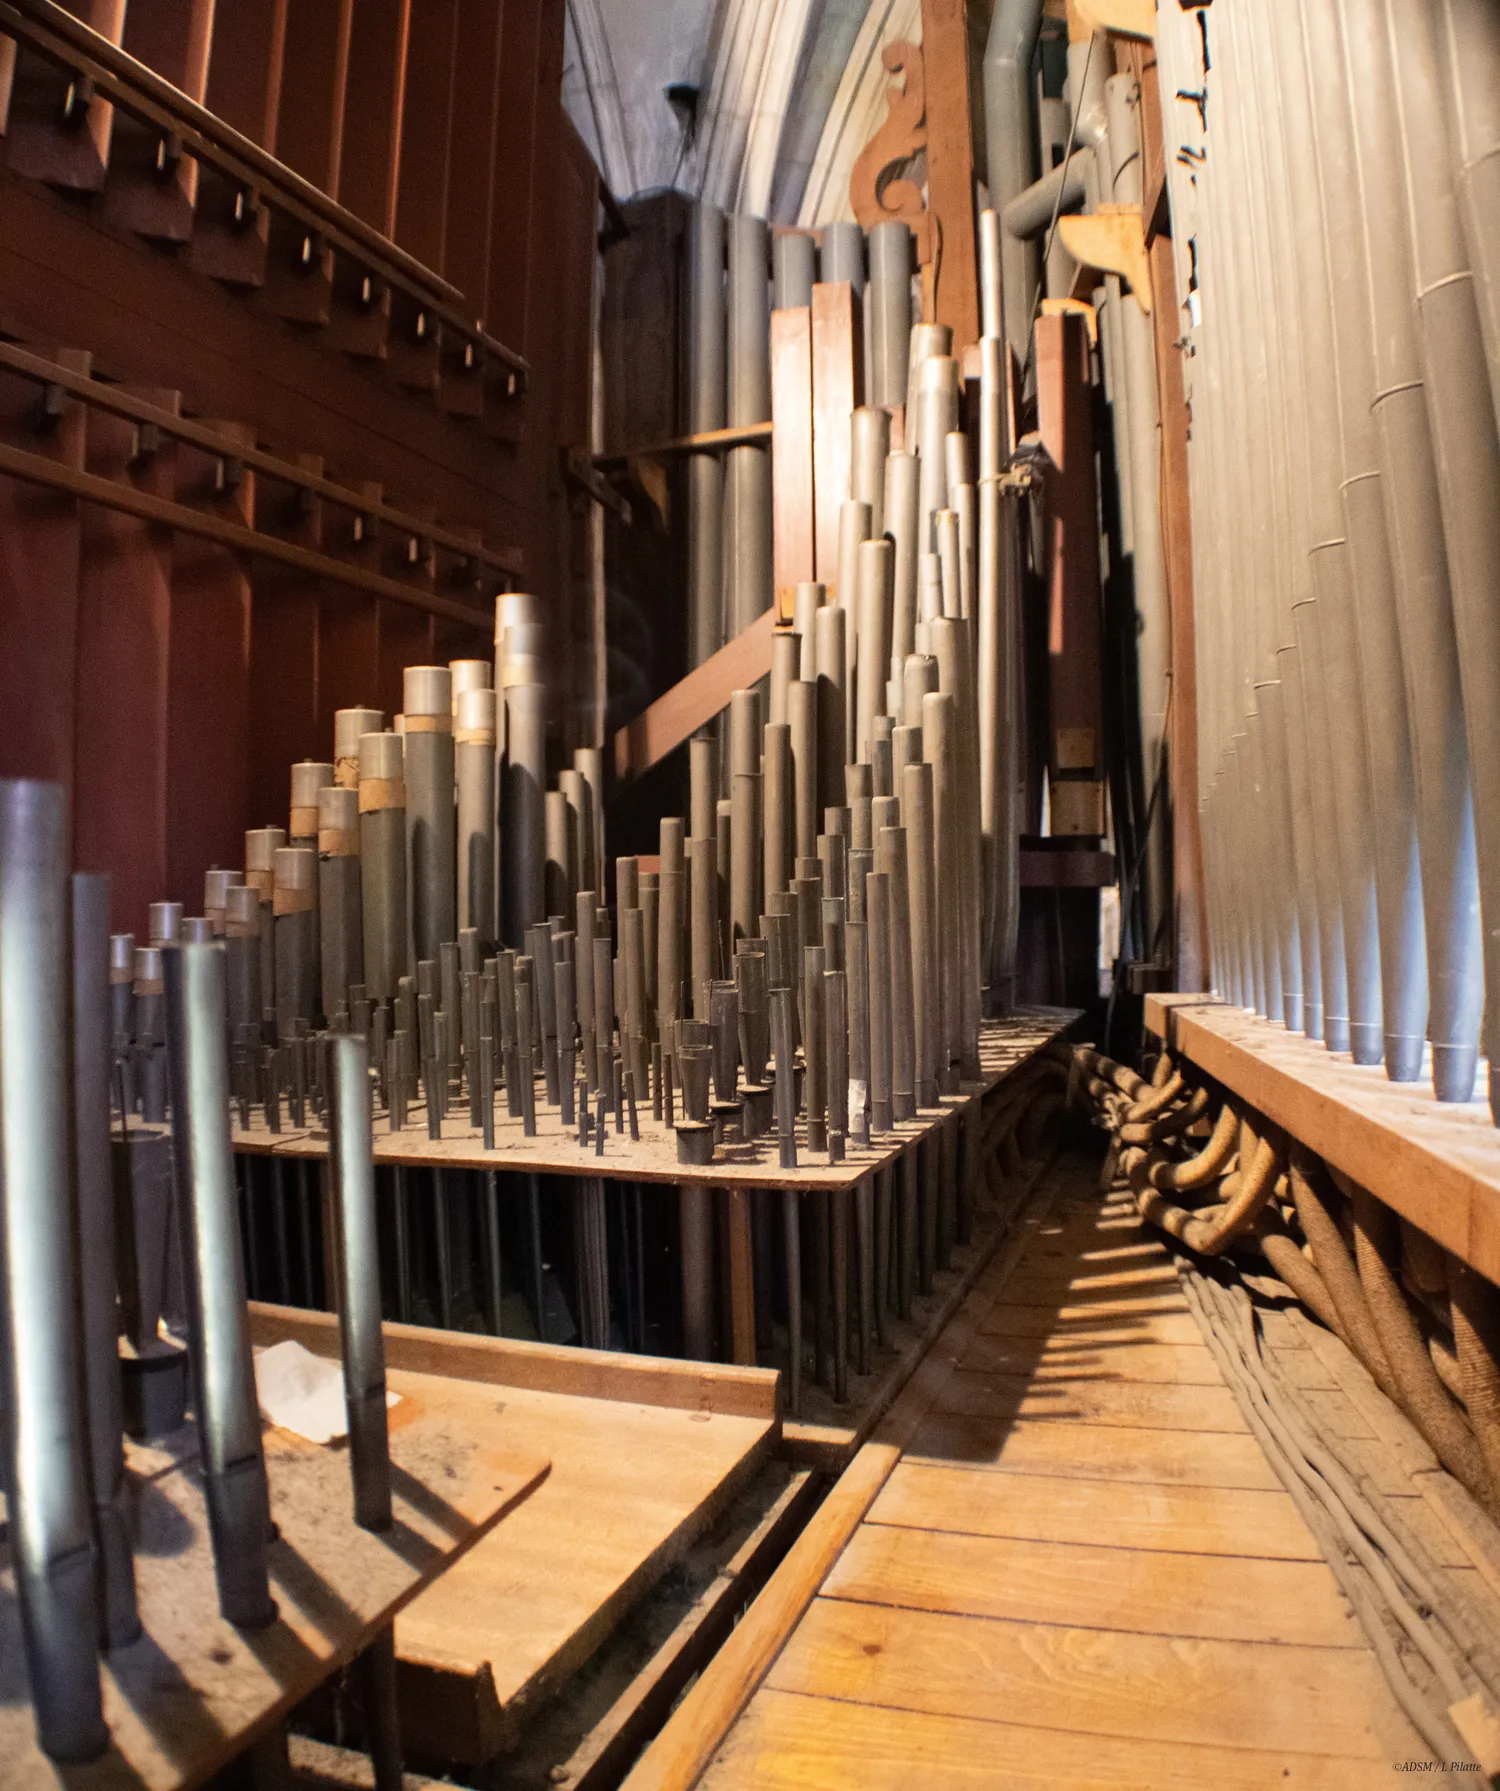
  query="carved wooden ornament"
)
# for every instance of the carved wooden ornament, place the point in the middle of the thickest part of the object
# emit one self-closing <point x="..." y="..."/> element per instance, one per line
<point x="874" y="198"/>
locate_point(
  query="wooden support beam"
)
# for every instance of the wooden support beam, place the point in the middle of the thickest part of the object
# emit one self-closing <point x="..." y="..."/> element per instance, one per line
<point x="1126" y="18"/>
<point x="696" y="700"/>
<point x="677" y="1758"/>
<point x="1065" y="418"/>
<point x="1114" y="241"/>
<point x="705" y="441"/>
<point x="793" y="483"/>
<point x="950" y="167"/>
<point x="837" y="361"/>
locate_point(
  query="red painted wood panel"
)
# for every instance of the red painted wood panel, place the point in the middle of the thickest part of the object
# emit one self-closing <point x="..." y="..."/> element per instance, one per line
<point x="124" y="636"/>
<point x="314" y="79"/>
<point x="39" y="551"/>
<point x="516" y="187"/>
<point x="208" y="719"/>
<point x="471" y="151"/>
<point x="422" y="185"/>
<point x="172" y="37"/>
<point x="244" y="66"/>
<point x="373" y="111"/>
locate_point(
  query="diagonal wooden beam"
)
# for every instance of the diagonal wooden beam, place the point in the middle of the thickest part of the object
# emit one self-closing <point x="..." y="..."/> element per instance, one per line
<point x="694" y="700"/>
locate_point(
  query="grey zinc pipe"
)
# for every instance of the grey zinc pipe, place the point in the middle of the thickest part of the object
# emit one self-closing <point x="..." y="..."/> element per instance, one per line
<point x="706" y="410"/>
<point x="1010" y="156"/>
<point x="340" y="920"/>
<point x="357" y="1265"/>
<point x="1470" y="46"/>
<point x="52" y="1544"/>
<point x="92" y="1059"/>
<point x="431" y="825"/>
<point x="890" y="310"/>
<point x="747" y="507"/>
<point x="382" y="853"/>
<point x="474" y="774"/>
<point x="1414" y="522"/>
<point x="794" y="268"/>
<point x="1348" y="534"/>
<point x="1466" y="448"/>
<point x="228" y="1418"/>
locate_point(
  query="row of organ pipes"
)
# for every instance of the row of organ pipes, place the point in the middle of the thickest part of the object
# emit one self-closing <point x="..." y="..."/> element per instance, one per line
<point x="843" y="893"/>
<point x="1336" y="222"/>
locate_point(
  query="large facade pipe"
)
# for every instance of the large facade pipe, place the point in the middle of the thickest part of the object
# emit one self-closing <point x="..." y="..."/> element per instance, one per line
<point x="474" y="773"/>
<point x="1240" y="349"/>
<point x="51" y="1519"/>
<point x="1281" y="472"/>
<point x="747" y="511"/>
<point x="382" y="862"/>
<point x="1466" y="448"/>
<point x="1348" y="525"/>
<point x="1470" y="45"/>
<point x="431" y="820"/>
<point x="706" y="410"/>
<point x="1414" y="520"/>
<point x="1010" y="140"/>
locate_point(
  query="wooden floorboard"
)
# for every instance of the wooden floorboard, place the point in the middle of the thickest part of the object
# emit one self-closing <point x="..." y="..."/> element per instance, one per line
<point x="1107" y="1513"/>
<point x="1083" y="1571"/>
<point x="1095" y="1681"/>
<point x="788" y="1741"/>
<point x="1134" y="1591"/>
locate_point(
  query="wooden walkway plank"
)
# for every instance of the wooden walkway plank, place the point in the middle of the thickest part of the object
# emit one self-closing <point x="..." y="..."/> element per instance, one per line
<point x="1137" y="1320"/>
<point x="1084" y="1571"/>
<point x="1095" y="1682"/>
<point x="1180" y="1458"/>
<point x="787" y="1741"/>
<point x="1134" y="1404"/>
<point x="1100" y="1357"/>
<point x="1106" y="1513"/>
<point x="1132" y="1591"/>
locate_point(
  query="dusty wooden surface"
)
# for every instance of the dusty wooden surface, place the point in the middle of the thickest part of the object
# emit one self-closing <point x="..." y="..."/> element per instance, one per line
<point x="186" y="1697"/>
<point x="639" y="1469"/>
<point x="1435" y="1163"/>
<point x="1082" y="1571"/>
<point x="1004" y="1045"/>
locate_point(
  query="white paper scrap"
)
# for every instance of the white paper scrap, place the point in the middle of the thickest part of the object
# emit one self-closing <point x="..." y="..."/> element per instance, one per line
<point x="303" y="1393"/>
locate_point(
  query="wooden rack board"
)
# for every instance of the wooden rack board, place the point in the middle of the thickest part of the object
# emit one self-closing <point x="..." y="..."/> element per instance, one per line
<point x="188" y="1696"/>
<point x="644" y="1456"/>
<point x="1436" y="1164"/>
<point x="1004" y="1045"/>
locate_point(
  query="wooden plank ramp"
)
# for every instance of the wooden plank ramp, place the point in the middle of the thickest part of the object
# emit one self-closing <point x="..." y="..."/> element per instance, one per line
<point x="1062" y="1562"/>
